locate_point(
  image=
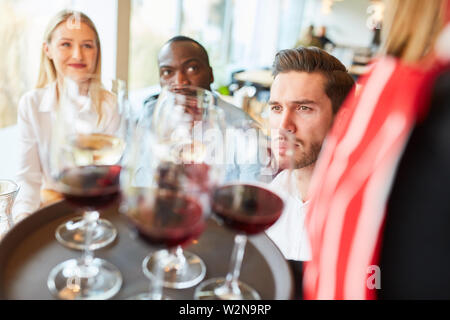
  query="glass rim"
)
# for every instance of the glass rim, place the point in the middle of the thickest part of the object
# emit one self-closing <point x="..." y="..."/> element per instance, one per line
<point x="16" y="188"/>
<point x="197" y="89"/>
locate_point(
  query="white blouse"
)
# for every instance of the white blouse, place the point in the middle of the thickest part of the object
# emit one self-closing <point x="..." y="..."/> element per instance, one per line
<point x="35" y="113"/>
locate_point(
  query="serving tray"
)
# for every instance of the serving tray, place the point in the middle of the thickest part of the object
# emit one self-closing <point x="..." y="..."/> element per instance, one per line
<point x="29" y="251"/>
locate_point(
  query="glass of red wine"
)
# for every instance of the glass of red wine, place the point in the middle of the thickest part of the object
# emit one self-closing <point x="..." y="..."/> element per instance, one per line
<point x="185" y="116"/>
<point x="248" y="206"/>
<point x="93" y="134"/>
<point x="85" y="164"/>
<point x="166" y="196"/>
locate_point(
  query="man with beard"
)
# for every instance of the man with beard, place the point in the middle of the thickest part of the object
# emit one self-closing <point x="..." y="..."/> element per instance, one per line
<point x="308" y="89"/>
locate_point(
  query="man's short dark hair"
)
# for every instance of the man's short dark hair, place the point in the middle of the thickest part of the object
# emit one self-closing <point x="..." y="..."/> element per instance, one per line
<point x="184" y="38"/>
<point x="339" y="81"/>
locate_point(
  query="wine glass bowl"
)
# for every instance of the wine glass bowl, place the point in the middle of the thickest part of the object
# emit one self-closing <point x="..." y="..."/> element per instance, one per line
<point x="98" y="148"/>
<point x="169" y="219"/>
<point x="246" y="208"/>
<point x="91" y="187"/>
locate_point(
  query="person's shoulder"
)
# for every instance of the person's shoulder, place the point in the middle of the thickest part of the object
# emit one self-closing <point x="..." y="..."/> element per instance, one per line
<point x="32" y="98"/>
<point x="279" y="185"/>
<point x="281" y="178"/>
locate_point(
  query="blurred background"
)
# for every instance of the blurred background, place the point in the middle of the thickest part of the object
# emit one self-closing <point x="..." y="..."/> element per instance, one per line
<point x="241" y="37"/>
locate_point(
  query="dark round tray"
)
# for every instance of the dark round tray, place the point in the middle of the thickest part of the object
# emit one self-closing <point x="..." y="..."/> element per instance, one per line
<point x="29" y="251"/>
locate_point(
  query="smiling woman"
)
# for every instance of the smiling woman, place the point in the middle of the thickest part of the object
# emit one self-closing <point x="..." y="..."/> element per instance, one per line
<point x="71" y="49"/>
<point x="23" y="23"/>
<point x="74" y="51"/>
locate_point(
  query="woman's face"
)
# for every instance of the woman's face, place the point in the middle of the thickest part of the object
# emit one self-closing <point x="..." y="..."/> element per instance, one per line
<point x="73" y="51"/>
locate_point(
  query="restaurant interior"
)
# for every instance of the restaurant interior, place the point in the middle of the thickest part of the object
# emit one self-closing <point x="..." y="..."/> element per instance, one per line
<point x="125" y="244"/>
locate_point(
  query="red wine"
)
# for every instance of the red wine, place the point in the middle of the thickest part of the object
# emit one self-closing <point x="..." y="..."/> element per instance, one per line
<point x="92" y="187"/>
<point x="168" y="219"/>
<point x="246" y="208"/>
<point x="176" y="177"/>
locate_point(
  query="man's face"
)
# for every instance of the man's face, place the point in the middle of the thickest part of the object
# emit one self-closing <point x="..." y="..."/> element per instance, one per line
<point x="184" y="63"/>
<point x="298" y="103"/>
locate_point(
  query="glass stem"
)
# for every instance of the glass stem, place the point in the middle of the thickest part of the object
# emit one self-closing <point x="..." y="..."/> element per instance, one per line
<point x="179" y="261"/>
<point x="237" y="256"/>
<point x="90" y="218"/>
<point x="9" y="204"/>
<point x="156" y="286"/>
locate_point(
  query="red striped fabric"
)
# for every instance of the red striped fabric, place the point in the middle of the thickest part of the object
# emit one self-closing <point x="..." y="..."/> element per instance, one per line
<point x="353" y="178"/>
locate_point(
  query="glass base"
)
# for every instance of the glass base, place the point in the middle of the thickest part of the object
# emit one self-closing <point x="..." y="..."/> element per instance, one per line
<point x="177" y="275"/>
<point x="71" y="234"/>
<point x="148" y="296"/>
<point x="73" y="280"/>
<point x="215" y="289"/>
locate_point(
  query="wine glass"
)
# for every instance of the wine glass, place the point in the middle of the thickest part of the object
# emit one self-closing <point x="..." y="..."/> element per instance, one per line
<point x="86" y="147"/>
<point x="185" y="116"/>
<point x="92" y="140"/>
<point x="8" y="192"/>
<point x="166" y="197"/>
<point x="249" y="206"/>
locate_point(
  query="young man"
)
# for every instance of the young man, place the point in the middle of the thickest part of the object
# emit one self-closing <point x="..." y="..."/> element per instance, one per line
<point x="184" y="61"/>
<point x="308" y="89"/>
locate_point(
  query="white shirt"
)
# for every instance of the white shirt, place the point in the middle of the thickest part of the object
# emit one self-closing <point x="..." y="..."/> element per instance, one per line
<point x="289" y="232"/>
<point x="35" y="112"/>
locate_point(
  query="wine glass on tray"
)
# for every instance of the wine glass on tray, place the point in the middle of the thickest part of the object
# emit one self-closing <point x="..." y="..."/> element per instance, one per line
<point x="186" y="116"/>
<point x="92" y="127"/>
<point x="166" y="196"/>
<point x="84" y="161"/>
<point x="248" y="207"/>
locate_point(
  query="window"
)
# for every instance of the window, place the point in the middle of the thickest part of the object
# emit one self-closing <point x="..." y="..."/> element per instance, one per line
<point x="153" y="22"/>
<point x="236" y="34"/>
<point x="22" y="28"/>
<point x="204" y="21"/>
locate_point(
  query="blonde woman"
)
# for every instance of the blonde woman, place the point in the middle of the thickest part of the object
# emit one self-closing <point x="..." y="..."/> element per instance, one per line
<point x="71" y="49"/>
<point x="379" y="217"/>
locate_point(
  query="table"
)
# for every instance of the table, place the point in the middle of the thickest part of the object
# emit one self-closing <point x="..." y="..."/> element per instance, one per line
<point x="260" y="77"/>
<point x="361" y="59"/>
<point x="358" y="70"/>
<point x="29" y="251"/>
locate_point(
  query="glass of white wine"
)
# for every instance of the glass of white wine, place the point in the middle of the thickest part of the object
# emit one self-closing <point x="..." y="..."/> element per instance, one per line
<point x="91" y="125"/>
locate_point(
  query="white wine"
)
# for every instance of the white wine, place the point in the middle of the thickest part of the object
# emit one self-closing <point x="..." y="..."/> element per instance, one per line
<point x="96" y="149"/>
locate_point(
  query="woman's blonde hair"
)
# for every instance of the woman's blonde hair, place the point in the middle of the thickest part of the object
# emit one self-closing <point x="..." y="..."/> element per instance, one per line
<point x="410" y="27"/>
<point x="47" y="71"/>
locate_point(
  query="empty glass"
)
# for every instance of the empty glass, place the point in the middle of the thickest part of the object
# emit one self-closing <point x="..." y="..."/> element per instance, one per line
<point x="8" y="193"/>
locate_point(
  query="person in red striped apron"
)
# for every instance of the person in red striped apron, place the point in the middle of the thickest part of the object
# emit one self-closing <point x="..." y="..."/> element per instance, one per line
<point x="379" y="214"/>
